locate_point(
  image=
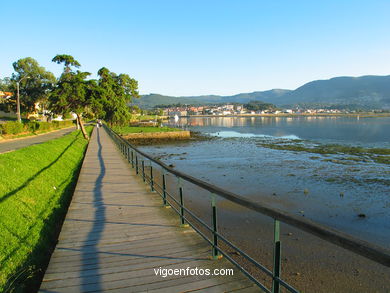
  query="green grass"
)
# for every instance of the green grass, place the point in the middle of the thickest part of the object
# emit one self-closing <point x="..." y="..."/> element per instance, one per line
<point x="36" y="185"/>
<point x="146" y="118"/>
<point x="123" y="130"/>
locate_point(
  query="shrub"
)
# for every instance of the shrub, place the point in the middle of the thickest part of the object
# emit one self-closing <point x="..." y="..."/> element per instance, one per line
<point x="12" y="127"/>
<point x="44" y="126"/>
<point x="32" y="126"/>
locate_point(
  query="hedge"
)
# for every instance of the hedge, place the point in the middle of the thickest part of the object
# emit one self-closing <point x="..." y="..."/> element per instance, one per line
<point x="13" y="127"/>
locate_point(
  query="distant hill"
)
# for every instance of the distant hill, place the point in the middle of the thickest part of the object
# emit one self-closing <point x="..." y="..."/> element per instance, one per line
<point x="152" y="100"/>
<point x="364" y="91"/>
<point x="369" y="91"/>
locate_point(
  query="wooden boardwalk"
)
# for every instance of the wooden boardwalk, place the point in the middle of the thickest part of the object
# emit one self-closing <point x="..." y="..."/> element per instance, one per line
<point x="116" y="234"/>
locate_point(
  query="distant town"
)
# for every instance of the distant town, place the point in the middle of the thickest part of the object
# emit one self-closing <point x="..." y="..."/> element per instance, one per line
<point x="247" y="109"/>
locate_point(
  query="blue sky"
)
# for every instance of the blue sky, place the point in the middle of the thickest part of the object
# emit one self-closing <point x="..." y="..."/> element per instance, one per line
<point x="203" y="47"/>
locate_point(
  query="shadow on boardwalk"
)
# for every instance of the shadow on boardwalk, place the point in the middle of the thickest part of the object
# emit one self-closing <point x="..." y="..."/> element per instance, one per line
<point x="100" y="210"/>
<point x="116" y="235"/>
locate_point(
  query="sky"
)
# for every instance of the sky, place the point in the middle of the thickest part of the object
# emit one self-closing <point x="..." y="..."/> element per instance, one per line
<point x="197" y="47"/>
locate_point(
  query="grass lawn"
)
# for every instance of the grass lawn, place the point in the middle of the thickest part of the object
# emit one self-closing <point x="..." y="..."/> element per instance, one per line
<point x="36" y="185"/>
<point x="122" y="130"/>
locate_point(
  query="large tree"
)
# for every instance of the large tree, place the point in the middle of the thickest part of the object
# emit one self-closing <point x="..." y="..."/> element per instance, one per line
<point x="35" y="83"/>
<point x="73" y="93"/>
<point x="116" y="92"/>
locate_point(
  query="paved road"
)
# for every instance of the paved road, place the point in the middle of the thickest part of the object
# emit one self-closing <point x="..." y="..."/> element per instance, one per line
<point x="116" y="234"/>
<point x="15" y="144"/>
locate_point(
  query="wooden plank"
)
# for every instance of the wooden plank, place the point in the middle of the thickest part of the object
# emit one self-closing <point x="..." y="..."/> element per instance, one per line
<point x="208" y="285"/>
<point x="63" y="252"/>
<point x="168" y="252"/>
<point x="251" y="289"/>
<point x="135" y="263"/>
<point x="133" y="277"/>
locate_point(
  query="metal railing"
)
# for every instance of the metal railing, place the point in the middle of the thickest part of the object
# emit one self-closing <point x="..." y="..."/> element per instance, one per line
<point x="137" y="160"/>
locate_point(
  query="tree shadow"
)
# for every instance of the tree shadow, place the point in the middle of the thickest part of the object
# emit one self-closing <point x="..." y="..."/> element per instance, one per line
<point x="27" y="182"/>
<point x="28" y="276"/>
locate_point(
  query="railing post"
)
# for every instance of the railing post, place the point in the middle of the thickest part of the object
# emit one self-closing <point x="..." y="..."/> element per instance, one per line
<point x="182" y="221"/>
<point x="151" y="177"/>
<point x="277" y="258"/>
<point x="143" y="170"/>
<point x="164" y="189"/>
<point x="215" y="251"/>
<point x="136" y="164"/>
<point x="132" y="159"/>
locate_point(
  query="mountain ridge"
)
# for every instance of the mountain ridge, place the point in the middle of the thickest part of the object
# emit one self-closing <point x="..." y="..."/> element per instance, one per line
<point x="371" y="91"/>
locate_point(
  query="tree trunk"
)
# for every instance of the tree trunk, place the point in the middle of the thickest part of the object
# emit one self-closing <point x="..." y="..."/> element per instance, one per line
<point x="80" y="122"/>
<point x="77" y="123"/>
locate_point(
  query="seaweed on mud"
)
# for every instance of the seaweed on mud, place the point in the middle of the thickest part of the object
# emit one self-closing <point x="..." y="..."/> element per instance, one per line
<point x="357" y="154"/>
<point x="343" y="179"/>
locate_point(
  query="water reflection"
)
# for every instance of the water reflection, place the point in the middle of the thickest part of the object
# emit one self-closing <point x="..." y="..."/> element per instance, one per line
<point x="349" y="130"/>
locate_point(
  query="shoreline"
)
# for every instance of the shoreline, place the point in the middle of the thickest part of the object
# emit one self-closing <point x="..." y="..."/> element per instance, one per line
<point x="360" y="115"/>
<point x="309" y="263"/>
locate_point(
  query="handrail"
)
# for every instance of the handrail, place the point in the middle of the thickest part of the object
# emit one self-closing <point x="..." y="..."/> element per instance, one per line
<point x="358" y="246"/>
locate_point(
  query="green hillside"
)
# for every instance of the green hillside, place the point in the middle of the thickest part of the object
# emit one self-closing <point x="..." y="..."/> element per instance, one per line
<point x="152" y="100"/>
<point x="369" y="91"/>
<point x="365" y="92"/>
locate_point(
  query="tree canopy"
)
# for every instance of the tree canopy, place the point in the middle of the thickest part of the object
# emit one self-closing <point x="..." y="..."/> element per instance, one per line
<point x="35" y="83"/>
<point x="107" y="97"/>
<point x="5" y="84"/>
<point x="72" y="93"/>
<point x="116" y="92"/>
<point x="259" y="106"/>
<point x="67" y="60"/>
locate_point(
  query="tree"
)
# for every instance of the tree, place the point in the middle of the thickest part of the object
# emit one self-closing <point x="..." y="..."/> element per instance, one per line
<point x="67" y="60"/>
<point x="34" y="89"/>
<point x="6" y="86"/>
<point x="116" y="92"/>
<point x="73" y="93"/>
<point x="259" y="106"/>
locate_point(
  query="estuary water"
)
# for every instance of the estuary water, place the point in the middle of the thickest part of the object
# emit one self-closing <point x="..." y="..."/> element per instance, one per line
<point x="257" y="157"/>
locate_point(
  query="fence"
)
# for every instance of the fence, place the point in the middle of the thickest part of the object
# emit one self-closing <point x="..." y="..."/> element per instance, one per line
<point x="137" y="160"/>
